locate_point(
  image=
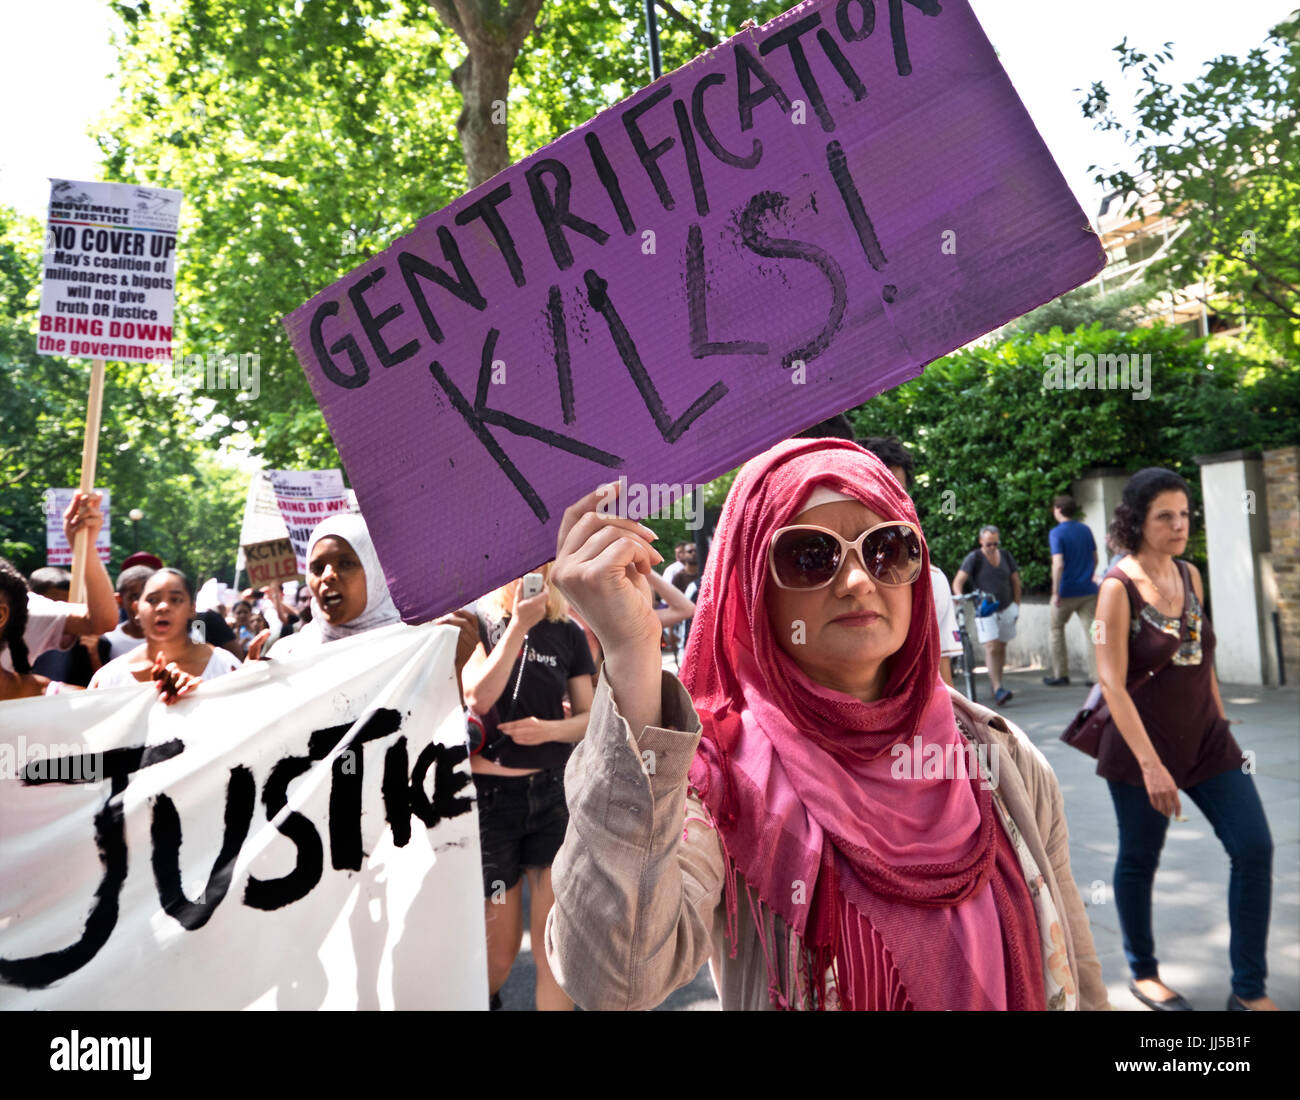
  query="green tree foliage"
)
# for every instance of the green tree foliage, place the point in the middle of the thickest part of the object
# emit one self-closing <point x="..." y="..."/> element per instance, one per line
<point x="1222" y="155"/>
<point x="149" y="454"/>
<point x="307" y="137"/>
<point x="994" y="445"/>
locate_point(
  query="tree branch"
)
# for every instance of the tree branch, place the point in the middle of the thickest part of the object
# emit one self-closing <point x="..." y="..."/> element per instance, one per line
<point x="446" y="11"/>
<point x="521" y="18"/>
<point x="1271" y="277"/>
<point x="1280" y="305"/>
<point x="708" y="38"/>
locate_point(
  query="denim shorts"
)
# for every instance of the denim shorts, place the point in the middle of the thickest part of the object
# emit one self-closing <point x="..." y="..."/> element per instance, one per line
<point x="521" y="820"/>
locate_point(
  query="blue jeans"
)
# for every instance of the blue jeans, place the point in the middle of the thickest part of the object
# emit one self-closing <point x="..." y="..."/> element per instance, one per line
<point x="1231" y="804"/>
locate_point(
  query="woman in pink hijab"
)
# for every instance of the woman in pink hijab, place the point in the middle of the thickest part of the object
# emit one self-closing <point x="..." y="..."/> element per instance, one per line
<point x="816" y="813"/>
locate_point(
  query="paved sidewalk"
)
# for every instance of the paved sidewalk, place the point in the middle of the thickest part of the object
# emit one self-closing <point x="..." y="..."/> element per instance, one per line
<point x="1190" y="905"/>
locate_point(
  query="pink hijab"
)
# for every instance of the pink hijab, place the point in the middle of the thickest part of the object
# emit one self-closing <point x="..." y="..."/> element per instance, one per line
<point x="906" y="889"/>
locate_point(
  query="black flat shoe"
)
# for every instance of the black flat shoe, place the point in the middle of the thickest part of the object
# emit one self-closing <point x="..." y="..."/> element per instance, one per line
<point x="1056" y="681"/>
<point x="1236" y="1004"/>
<point x="1176" y="1003"/>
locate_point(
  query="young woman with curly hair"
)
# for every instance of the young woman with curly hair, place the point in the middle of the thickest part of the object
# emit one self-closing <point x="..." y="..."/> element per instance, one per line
<point x="1169" y="733"/>
<point x="18" y="682"/>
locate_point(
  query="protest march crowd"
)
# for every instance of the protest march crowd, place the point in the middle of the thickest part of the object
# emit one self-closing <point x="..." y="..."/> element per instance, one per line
<point x="756" y="756"/>
<point x="749" y="809"/>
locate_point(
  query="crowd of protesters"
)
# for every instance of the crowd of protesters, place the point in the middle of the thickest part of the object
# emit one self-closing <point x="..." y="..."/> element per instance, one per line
<point x="814" y="641"/>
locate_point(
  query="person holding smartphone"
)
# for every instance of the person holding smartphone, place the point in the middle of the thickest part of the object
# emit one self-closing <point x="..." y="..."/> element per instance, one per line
<point x="530" y="656"/>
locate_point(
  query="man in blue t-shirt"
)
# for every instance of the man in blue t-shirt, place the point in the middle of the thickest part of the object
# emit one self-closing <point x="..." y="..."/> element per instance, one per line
<point x="1074" y="592"/>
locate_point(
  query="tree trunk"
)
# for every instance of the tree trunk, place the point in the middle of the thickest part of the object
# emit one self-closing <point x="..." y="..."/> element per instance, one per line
<point x="493" y="32"/>
<point x="484" y="83"/>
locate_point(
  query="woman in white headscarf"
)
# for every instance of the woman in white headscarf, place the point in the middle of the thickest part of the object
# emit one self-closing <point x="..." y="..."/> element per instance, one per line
<point x="350" y="595"/>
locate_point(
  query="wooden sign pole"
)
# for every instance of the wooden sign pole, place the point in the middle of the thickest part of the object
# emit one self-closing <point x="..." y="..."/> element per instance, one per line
<point x="82" y="547"/>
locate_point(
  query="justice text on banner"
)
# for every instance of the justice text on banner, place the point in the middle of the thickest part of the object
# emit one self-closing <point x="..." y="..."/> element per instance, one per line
<point x="297" y="834"/>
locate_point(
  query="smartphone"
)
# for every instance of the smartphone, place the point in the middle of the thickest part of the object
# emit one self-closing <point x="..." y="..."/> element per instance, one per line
<point x="532" y="585"/>
<point x="198" y="632"/>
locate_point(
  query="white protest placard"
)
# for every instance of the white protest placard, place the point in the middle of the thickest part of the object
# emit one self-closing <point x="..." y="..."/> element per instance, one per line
<point x="109" y="272"/>
<point x="305" y="497"/>
<point x="262" y="520"/>
<point x="58" y="551"/>
<point x="295" y="835"/>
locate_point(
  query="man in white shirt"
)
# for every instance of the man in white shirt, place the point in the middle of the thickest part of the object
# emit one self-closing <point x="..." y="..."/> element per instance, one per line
<point x="52" y="624"/>
<point x="673" y="568"/>
<point x="127" y="635"/>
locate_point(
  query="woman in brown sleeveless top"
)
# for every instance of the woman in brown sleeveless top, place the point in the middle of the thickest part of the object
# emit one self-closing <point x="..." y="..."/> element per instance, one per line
<point x="1169" y="732"/>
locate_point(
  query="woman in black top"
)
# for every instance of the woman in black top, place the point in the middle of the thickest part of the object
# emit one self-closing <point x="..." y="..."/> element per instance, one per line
<point x="530" y="655"/>
<point x="1169" y="733"/>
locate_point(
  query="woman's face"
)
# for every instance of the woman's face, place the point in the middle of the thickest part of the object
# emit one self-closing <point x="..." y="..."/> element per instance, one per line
<point x="1168" y="523"/>
<point x="337" y="580"/>
<point x="242" y="612"/>
<point x="840" y="635"/>
<point x="165" y="608"/>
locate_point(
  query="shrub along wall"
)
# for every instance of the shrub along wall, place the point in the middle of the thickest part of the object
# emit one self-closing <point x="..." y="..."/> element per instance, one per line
<point x="998" y="431"/>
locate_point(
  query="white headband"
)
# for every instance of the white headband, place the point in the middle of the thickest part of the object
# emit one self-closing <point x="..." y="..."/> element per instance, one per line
<point x="822" y="495"/>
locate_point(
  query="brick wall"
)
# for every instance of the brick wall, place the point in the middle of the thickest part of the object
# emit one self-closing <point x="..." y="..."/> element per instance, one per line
<point x="1282" y="474"/>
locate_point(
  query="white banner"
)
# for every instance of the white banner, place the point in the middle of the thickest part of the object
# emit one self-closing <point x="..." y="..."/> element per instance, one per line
<point x="262" y="519"/>
<point x="295" y="835"/>
<point x="109" y="272"/>
<point x="57" y="550"/>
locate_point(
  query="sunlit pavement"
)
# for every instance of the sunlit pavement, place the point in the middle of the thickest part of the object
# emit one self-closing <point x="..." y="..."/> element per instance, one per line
<point x="1190" y="905"/>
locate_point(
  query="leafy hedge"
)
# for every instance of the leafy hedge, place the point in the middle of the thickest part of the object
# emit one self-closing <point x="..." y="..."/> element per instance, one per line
<point x="993" y="444"/>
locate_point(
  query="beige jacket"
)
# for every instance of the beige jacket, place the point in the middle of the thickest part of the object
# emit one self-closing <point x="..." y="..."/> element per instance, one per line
<point x="639" y="880"/>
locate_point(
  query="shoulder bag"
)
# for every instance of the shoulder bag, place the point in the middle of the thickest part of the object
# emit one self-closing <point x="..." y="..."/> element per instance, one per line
<point x="1085" y="728"/>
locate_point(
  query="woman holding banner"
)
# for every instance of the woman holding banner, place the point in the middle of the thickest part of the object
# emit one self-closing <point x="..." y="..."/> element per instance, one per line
<point x="817" y="769"/>
<point x="17" y="680"/>
<point x="349" y="593"/>
<point x="53" y="624"/>
<point x="169" y="656"/>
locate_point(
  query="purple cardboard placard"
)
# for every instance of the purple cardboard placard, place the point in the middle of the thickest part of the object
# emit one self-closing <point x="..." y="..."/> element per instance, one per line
<point x="800" y="218"/>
